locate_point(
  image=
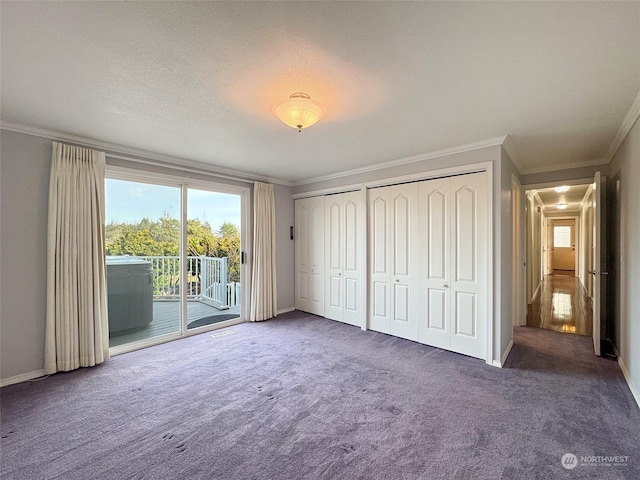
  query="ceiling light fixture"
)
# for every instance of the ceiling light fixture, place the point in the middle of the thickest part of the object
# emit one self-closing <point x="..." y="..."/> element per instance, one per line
<point x="562" y="189"/>
<point x="561" y="206"/>
<point x="299" y="111"/>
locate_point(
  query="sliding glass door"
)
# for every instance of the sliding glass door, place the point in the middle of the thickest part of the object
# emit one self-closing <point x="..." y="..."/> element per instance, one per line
<point x="143" y="249"/>
<point x="173" y="259"/>
<point x="213" y="257"/>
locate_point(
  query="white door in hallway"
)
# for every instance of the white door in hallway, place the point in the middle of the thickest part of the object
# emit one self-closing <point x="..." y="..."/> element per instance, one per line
<point x="343" y="297"/>
<point x="599" y="264"/>
<point x="393" y="235"/>
<point x="309" y="255"/>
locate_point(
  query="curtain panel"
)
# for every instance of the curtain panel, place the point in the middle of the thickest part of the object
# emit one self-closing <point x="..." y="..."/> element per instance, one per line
<point x="263" y="277"/>
<point x="76" y="333"/>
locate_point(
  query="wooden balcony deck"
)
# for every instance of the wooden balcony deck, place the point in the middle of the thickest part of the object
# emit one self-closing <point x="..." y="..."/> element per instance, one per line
<point x="166" y="319"/>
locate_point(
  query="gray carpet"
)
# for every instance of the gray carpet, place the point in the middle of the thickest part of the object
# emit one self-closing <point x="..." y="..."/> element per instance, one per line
<point x="301" y="397"/>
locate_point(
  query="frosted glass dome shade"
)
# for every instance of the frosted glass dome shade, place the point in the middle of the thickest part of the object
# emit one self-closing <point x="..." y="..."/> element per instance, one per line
<point x="299" y="111"/>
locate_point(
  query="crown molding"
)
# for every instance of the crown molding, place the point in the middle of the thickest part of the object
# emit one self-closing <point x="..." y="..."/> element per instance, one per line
<point x="565" y="166"/>
<point x="625" y="127"/>
<point x="134" y="154"/>
<point x="492" y="142"/>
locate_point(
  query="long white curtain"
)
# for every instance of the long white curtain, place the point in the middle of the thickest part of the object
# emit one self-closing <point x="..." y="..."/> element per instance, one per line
<point x="76" y="333"/>
<point x="263" y="278"/>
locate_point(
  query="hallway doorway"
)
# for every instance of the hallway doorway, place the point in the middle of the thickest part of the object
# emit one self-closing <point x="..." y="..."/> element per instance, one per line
<point x="564" y="260"/>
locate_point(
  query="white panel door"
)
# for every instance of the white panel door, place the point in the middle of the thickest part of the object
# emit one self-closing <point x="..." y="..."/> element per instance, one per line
<point x="309" y="255"/>
<point x="302" y="256"/>
<point x="428" y="262"/>
<point x="403" y="200"/>
<point x="599" y="262"/>
<point x="343" y="257"/>
<point x="379" y="271"/>
<point x="469" y="231"/>
<point x="334" y="257"/>
<point x="393" y="232"/>
<point x="353" y="270"/>
<point x="434" y="258"/>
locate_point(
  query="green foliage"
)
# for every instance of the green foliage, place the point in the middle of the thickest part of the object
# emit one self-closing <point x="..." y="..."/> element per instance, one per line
<point x="229" y="246"/>
<point x="162" y="238"/>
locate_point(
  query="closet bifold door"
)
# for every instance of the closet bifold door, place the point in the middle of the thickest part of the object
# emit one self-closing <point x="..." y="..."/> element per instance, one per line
<point x="334" y="257"/>
<point x="342" y="258"/>
<point x="453" y="262"/>
<point x="378" y="251"/>
<point x="435" y="298"/>
<point x="394" y="275"/>
<point x="309" y="255"/>
<point x="469" y="232"/>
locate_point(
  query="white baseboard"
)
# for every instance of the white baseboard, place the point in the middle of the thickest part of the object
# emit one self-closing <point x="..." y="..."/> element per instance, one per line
<point x="502" y="361"/>
<point x="632" y="386"/>
<point x="23" y="377"/>
<point x="285" y="310"/>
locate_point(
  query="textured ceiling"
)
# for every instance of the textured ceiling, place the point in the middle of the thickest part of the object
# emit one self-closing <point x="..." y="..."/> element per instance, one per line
<point x="197" y="80"/>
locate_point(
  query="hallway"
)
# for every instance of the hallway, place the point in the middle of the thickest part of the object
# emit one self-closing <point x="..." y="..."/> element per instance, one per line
<point x="562" y="305"/>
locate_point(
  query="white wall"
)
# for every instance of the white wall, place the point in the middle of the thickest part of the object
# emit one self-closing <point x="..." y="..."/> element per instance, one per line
<point x="625" y="167"/>
<point x="24" y="175"/>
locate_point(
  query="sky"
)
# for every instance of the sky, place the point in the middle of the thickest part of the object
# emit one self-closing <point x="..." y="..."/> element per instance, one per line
<point x="130" y="202"/>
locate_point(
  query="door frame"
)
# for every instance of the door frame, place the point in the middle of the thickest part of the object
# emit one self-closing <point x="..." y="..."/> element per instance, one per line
<point x="518" y="245"/>
<point x="535" y="264"/>
<point x="586" y="231"/>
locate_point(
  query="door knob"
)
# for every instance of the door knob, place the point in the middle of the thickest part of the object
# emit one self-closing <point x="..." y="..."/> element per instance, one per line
<point x="397" y="280"/>
<point x="444" y="285"/>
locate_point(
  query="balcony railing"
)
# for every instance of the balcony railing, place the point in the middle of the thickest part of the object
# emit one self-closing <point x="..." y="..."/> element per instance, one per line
<point x="206" y="280"/>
